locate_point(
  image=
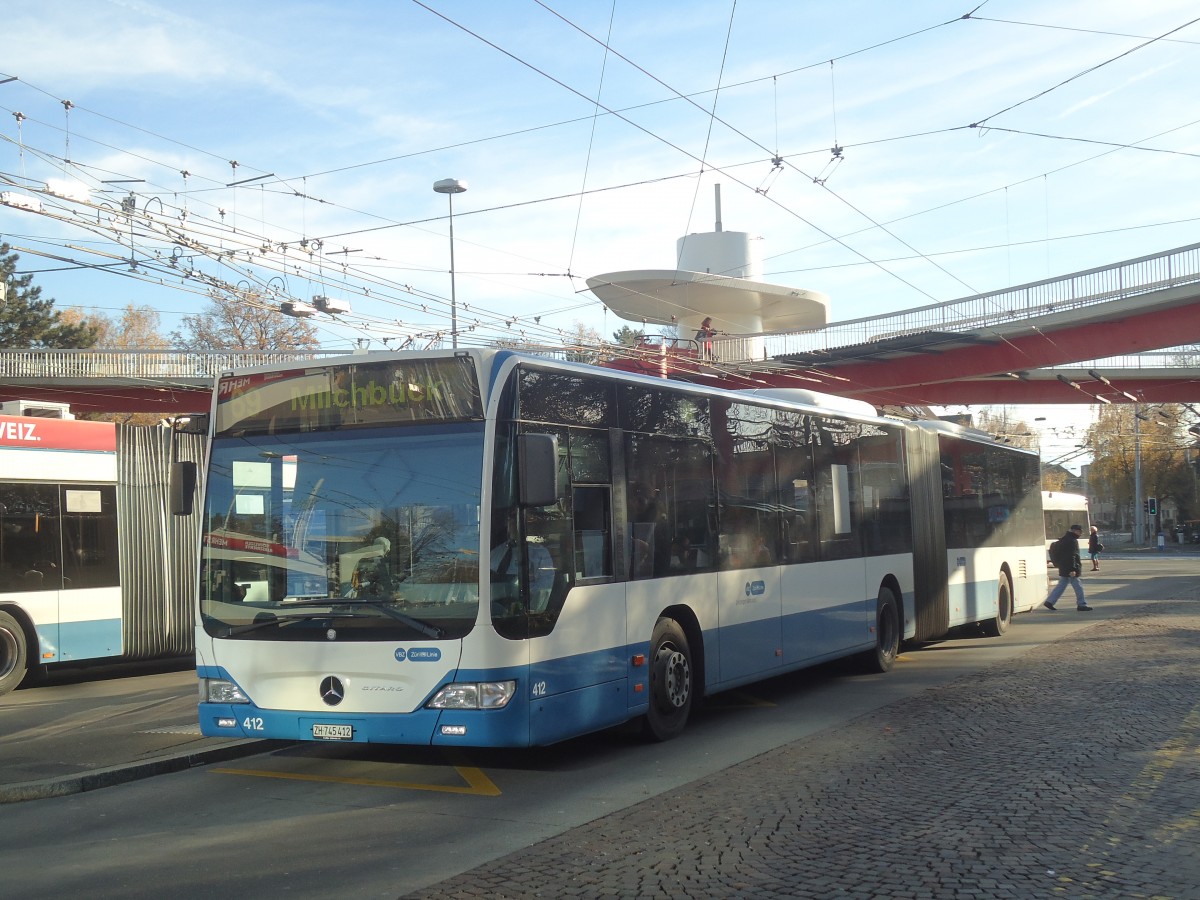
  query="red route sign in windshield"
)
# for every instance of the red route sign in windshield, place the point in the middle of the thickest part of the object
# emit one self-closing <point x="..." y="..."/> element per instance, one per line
<point x="249" y="545"/>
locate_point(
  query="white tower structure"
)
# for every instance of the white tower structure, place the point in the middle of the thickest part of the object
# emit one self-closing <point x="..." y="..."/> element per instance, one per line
<point x="717" y="275"/>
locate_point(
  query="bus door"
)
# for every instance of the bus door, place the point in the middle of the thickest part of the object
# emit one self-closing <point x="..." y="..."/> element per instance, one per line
<point x="58" y="553"/>
<point x="89" y="597"/>
<point x="749" y="599"/>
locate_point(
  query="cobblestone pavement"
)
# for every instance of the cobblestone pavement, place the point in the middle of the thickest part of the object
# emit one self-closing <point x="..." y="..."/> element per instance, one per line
<point x="1071" y="771"/>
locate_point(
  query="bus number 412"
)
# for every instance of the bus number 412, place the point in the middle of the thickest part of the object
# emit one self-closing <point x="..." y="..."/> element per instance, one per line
<point x="252" y="724"/>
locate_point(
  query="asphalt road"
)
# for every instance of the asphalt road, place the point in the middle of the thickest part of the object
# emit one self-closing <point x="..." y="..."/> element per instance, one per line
<point x="978" y="767"/>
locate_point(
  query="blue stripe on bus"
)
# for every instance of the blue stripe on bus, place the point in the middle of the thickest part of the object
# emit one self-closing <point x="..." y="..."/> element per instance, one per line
<point x="568" y="696"/>
<point x="507" y="727"/>
<point x="570" y="673"/>
<point x="818" y="634"/>
<point x="68" y="641"/>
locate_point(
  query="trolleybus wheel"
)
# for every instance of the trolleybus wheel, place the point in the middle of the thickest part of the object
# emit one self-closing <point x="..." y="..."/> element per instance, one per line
<point x="996" y="626"/>
<point x="670" y="681"/>
<point x="12" y="653"/>
<point x="887" y="633"/>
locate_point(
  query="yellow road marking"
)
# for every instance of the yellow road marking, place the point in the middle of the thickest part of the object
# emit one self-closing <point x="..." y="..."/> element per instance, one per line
<point x="477" y="783"/>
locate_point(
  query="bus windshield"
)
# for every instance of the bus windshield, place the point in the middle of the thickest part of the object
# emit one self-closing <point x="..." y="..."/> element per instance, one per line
<point x="376" y="537"/>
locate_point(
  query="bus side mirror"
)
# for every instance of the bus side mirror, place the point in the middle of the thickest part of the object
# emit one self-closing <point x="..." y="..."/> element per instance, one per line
<point x="183" y="487"/>
<point x="537" y="468"/>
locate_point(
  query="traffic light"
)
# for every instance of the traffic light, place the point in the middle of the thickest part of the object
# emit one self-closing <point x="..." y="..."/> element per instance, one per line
<point x="1151" y="506"/>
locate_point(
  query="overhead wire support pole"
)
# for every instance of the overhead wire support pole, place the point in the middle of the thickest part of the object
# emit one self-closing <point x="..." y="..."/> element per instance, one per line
<point x="1138" y="513"/>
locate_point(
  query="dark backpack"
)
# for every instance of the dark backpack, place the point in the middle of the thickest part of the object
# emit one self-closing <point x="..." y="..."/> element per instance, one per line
<point x="1058" y="553"/>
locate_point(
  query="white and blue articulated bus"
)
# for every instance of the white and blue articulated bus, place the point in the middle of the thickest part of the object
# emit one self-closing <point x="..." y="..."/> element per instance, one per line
<point x="483" y="548"/>
<point x="92" y="566"/>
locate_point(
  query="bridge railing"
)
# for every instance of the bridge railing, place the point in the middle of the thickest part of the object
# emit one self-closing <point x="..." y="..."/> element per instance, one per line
<point x="1053" y="295"/>
<point x="1158" y="359"/>
<point x="149" y="364"/>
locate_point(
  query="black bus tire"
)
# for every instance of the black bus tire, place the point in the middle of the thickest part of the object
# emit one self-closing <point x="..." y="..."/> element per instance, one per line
<point x="887" y="633"/>
<point x="671" y="685"/>
<point x="13" y="653"/>
<point x="998" y="624"/>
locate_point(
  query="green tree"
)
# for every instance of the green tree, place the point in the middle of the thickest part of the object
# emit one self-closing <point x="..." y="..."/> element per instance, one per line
<point x="628" y="337"/>
<point x="243" y="321"/>
<point x="29" y="322"/>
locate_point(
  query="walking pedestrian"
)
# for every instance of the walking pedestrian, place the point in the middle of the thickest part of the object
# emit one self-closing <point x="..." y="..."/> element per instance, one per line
<point x="1064" y="553"/>
<point x="1094" y="548"/>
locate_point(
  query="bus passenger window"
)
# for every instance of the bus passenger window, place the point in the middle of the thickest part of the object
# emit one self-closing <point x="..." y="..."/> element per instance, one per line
<point x="593" y="558"/>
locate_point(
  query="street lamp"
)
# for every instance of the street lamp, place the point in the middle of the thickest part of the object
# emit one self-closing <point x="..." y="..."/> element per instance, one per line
<point x="450" y="187"/>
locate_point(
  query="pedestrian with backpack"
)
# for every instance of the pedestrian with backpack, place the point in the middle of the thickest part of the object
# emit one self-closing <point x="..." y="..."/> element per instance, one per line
<point x="1064" y="553"/>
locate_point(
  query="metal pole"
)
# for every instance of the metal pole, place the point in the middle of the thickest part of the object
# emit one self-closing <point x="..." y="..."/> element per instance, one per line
<point x="450" y="187"/>
<point x="1138" y="528"/>
<point x="453" y="299"/>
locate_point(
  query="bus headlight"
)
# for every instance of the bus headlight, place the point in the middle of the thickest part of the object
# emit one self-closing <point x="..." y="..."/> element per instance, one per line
<point x="474" y="695"/>
<point x="218" y="690"/>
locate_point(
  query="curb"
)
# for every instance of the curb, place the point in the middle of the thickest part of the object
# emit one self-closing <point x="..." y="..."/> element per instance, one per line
<point x="126" y="772"/>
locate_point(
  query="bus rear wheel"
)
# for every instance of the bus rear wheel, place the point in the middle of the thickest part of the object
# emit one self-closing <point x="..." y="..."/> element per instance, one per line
<point x="671" y="684"/>
<point x="887" y="633"/>
<point x="996" y="626"/>
<point x="12" y="653"/>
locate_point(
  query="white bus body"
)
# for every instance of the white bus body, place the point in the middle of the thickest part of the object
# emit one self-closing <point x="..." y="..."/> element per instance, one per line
<point x="696" y="540"/>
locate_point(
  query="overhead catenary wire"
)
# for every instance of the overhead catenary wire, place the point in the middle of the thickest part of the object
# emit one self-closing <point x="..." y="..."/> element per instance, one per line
<point x="186" y="194"/>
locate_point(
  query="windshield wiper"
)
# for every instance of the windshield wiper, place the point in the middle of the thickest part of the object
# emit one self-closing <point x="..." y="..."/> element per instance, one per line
<point x="262" y="621"/>
<point x="384" y="606"/>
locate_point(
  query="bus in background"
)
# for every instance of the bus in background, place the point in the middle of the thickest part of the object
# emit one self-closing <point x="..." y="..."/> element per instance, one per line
<point x="1061" y="511"/>
<point x="483" y="548"/>
<point x="90" y="558"/>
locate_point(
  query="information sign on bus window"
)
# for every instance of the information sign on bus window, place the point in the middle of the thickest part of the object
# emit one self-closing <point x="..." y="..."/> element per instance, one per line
<point x="357" y="394"/>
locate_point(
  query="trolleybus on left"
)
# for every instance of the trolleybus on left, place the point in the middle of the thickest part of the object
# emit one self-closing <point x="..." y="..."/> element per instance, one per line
<point x="73" y="496"/>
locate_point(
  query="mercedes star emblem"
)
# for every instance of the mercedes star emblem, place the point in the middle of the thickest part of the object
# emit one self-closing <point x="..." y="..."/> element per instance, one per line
<point x="332" y="691"/>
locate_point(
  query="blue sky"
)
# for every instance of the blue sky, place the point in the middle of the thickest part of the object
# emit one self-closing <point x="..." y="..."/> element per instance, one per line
<point x="1087" y="150"/>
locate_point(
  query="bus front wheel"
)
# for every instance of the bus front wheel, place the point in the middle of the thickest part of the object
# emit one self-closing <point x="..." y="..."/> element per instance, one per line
<point x="887" y="633"/>
<point x="12" y="653"/>
<point x="670" y="681"/>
